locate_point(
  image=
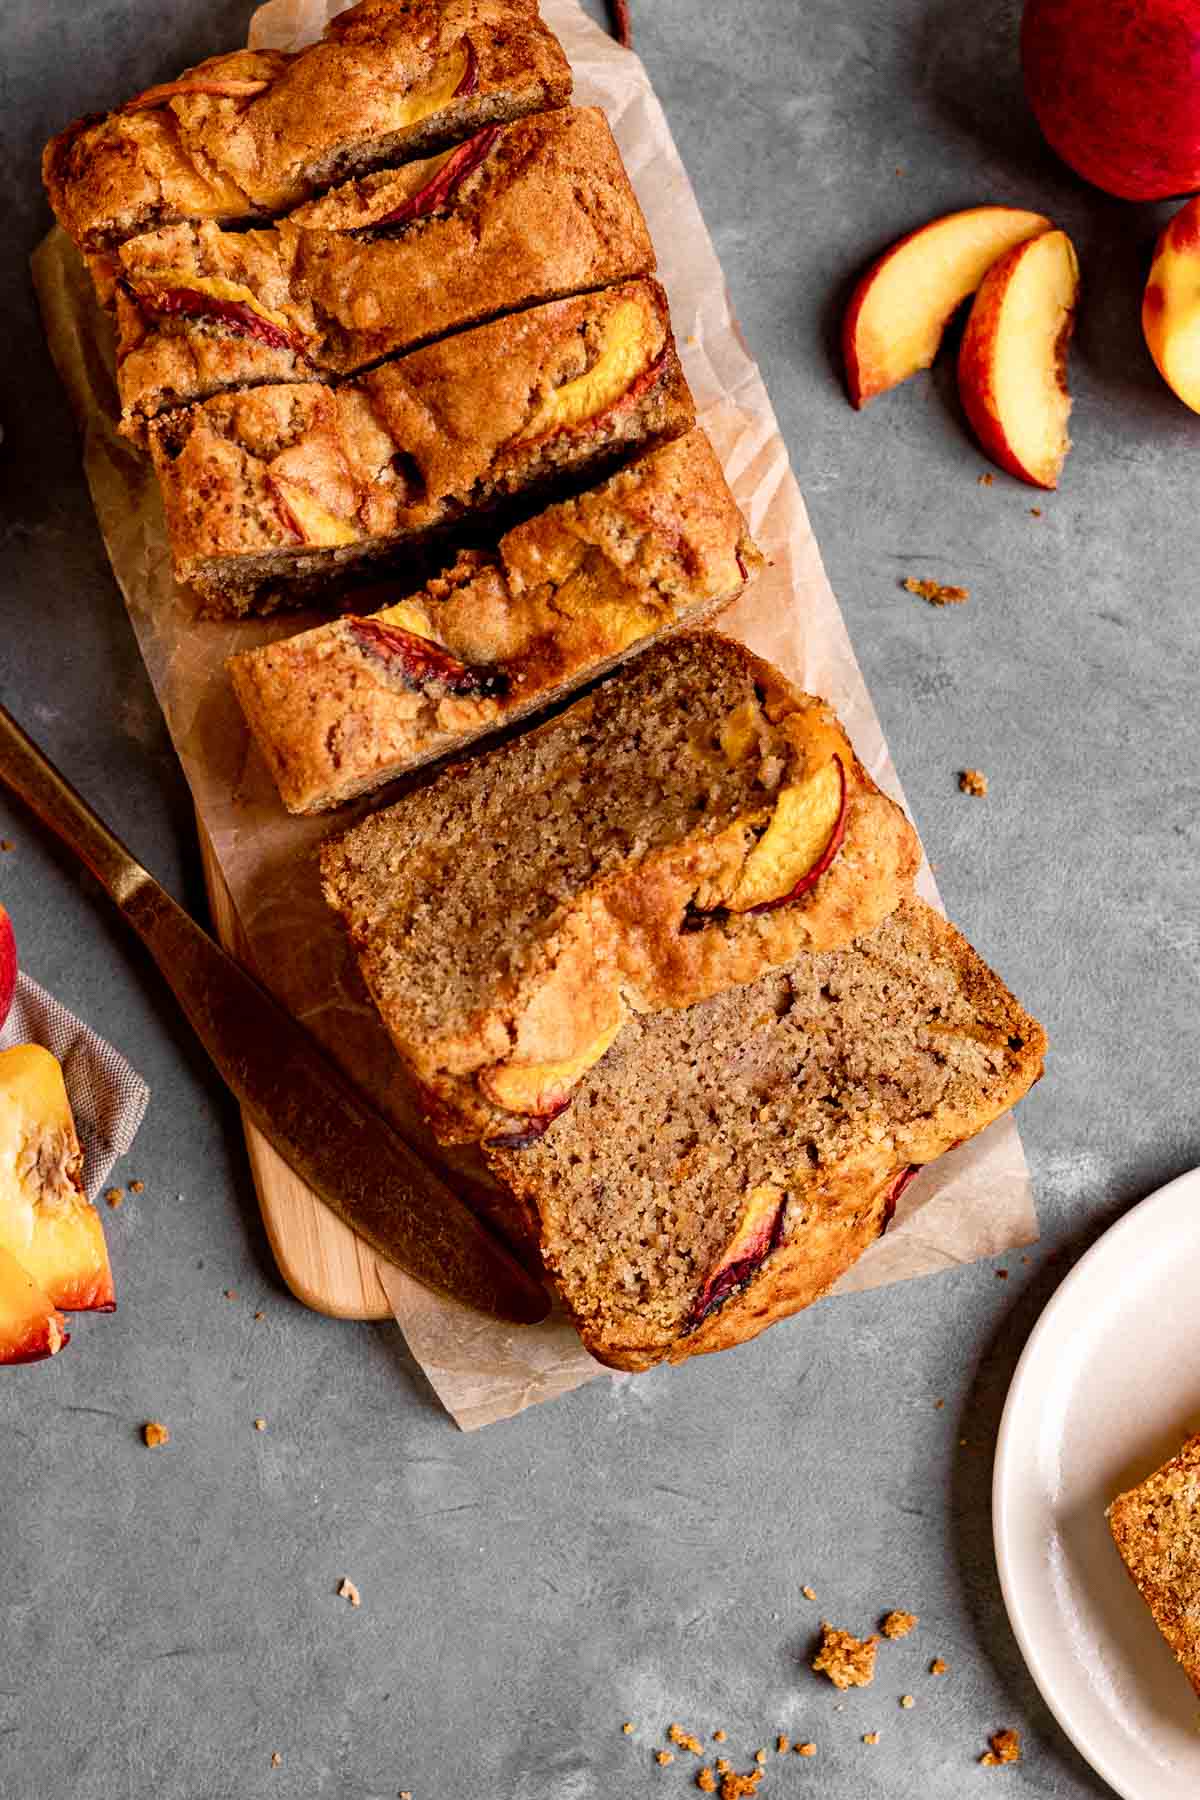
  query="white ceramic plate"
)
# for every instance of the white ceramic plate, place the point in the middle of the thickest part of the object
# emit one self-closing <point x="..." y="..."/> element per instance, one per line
<point x="1106" y="1389"/>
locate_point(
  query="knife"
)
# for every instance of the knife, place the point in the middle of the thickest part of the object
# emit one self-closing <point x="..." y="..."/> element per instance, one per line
<point x="316" y="1119"/>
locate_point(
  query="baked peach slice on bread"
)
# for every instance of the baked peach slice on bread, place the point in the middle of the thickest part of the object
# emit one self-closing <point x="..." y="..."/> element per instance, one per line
<point x="1012" y="363"/>
<point x="47" y="1223"/>
<point x="902" y="305"/>
<point x="1171" y="305"/>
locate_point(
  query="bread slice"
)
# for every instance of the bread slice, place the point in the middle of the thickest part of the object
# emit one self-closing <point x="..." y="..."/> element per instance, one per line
<point x="723" y="1166"/>
<point x="517" y="215"/>
<point x="1156" y="1527"/>
<point x="692" y="822"/>
<point x="341" y="709"/>
<point x="258" y="131"/>
<point x="275" y="491"/>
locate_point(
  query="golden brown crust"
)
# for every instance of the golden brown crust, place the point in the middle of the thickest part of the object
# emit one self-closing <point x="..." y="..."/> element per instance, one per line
<point x="631" y="937"/>
<point x="1156" y="1528"/>
<point x="548" y="212"/>
<point x="290" y="124"/>
<point x="836" y="1207"/>
<point x="579" y="586"/>
<point x="449" y="431"/>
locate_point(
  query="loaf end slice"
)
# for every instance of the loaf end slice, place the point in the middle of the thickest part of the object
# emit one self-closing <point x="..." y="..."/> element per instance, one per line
<point x="1156" y="1528"/>
<point x="721" y="1167"/>
<point x="254" y="132"/>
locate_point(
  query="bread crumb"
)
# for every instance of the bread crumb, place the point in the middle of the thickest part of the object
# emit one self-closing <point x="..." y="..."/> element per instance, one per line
<point x="898" y="1624"/>
<point x="973" y="781"/>
<point x="114" y="1196"/>
<point x="719" y="1736"/>
<point x="736" y="1787"/>
<point x="260" y="1315"/>
<point x="664" y="1757"/>
<point x="627" y="1728"/>
<point x="276" y="1760"/>
<point x="405" y="1794"/>
<point x="808" y="1593"/>
<point x="907" y="1700"/>
<point x="783" y="1744"/>
<point x="154" y="1433"/>
<point x="706" y="1781"/>
<point x="870" y="1737"/>
<point x="807" y="1749"/>
<point x="986" y="479"/>
<point x="938" y="1667"/>
<point x="1006" y="1748"/>
<point x="1035" y="512"/>
<point x="137" y="1187"/>
<point x="936" y="592"/>
<point x="848" y="1661"/>
<point x="760" y="1756"/>
<point x="348" y="1591"/>
<point x="260" y="1424"/>
<point x="231" y="1293"/>
<point x="723" y="1765"/>
<point x="685" y="1740"/>
<point x="938" y="1405"/>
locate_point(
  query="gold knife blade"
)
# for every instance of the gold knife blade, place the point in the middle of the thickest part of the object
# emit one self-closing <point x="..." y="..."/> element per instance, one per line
<point x="320" y="1124"/>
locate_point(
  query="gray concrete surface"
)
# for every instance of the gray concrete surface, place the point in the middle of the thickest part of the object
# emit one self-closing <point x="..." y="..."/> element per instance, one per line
<point x="637" y="1551"/>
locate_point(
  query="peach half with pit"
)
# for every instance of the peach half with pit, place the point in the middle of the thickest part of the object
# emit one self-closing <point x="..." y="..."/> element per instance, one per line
<point x="46" y="1221"/>
<point x="901" y="306"/>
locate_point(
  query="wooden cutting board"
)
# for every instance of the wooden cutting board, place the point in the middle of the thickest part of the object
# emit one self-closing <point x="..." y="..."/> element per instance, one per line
<point x="323" y="1262"/>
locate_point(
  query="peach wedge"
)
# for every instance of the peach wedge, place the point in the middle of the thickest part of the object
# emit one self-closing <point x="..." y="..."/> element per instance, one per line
<point x="46" y="1222"/>
<point x="31" y="1328"/>
<point x="902" y="305"/>
<point x="1171" y="305"/>
<point x="1012" y="364"/>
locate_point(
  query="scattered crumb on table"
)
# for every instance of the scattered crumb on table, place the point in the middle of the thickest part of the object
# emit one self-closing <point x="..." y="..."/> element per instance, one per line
<point x="137" y="1187"/>
<point x="259" y="1315"/>
<point x="806" y="1749"/>
<point x="848" y="1661"/>
<point x="276" y="1760"/>
<point x="719" y="1736"/>
<point x="627" y="1728"/>
<point x="938" y="1405"/>
<point x="706" y="1781"/>
<point x="938" y="1666"/>
<point x="260" y="1424"/>
<point x="760" y="1756"/>
<point x="348" y="1591"/>
<point x="685" y="1739"/>
<point x="986" y="479"/>
<point x="907" y="1700"/>
<point x="870" y="1737"/>
<point x="1035" y="512"/>
<point x="230" y="1293"/>
<point x="936" y="592"/>
<point x="1006" y="1748"/>
<point x="155" y="1433"/>
<point x="783" y="1744"/>
<point x="114" y="1196"/>
<point x="973" y="781"/>
<point x="664" y="1757"/>
<point x="898" y="1624"/>
<point x="736" y="1787"/>
<point x="809" y="1593"/>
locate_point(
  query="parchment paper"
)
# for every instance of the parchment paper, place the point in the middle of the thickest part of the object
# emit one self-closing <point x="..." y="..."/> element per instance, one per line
<point x="975" y="1202"/>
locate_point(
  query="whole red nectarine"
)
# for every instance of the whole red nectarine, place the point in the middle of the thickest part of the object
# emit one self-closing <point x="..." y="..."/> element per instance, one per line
<point x="8" y="964"/>
<point x="1115" y="86"/>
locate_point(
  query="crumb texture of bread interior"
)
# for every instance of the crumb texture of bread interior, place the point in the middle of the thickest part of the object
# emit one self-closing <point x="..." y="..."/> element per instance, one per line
<point x="809" y="1088"/>
<point x="1156" y="1528"/>
<point x="516" y="907"/>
